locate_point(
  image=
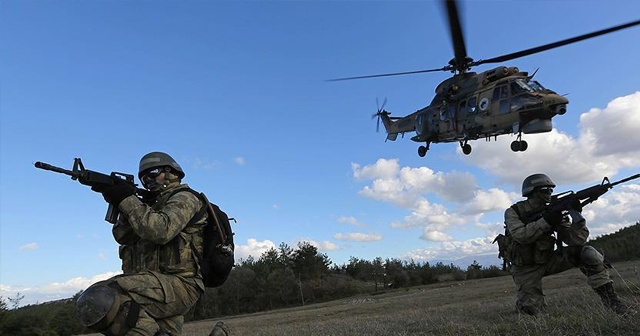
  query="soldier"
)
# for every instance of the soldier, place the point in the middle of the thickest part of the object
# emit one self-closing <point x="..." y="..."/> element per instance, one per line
<point x="161" y="241"/>
<point x="531" y="248"/>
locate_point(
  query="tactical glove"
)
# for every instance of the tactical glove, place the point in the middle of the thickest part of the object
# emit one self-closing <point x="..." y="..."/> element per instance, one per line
<point x="114" y="194"/>
<point x="553" y="218"/>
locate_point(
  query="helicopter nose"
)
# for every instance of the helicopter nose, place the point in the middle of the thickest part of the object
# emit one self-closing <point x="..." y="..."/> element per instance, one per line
<point x="557" y="104"/>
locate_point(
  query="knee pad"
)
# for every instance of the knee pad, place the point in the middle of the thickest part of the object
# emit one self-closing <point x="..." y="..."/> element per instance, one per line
<point x="592" y="260"/>
<point x="97" y="306"/>
<point x="591" y="256"/>
<point x="100" y="308"/>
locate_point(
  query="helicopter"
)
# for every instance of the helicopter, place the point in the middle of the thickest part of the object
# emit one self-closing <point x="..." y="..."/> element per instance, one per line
<point x="471" y="106"/>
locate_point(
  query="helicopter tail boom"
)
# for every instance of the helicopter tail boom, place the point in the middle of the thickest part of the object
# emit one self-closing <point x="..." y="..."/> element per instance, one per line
<point x="395" y="125"/>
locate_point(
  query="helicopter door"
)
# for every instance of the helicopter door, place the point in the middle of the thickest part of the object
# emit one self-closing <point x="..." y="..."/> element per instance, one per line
<point x="500" y="101"/>
<point x="447" y="117"/>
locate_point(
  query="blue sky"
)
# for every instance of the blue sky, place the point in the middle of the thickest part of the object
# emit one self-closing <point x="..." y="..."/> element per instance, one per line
<point x="236" y="92"/>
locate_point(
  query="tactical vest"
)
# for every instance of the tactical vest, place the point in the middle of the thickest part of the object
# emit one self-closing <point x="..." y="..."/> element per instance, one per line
<point x="179" y="256"/>
<point x="536" y="253"/>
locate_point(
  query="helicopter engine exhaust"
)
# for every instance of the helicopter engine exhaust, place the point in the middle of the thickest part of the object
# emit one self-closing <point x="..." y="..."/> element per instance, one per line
<point x="561" y="109"/>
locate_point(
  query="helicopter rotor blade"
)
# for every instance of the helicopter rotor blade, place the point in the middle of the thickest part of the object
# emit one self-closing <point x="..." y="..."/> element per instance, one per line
<point x="447" y="68"/>
<point x="546" y="47"/>
<point x="457" y="37"/>
<point x="379" y="112"/>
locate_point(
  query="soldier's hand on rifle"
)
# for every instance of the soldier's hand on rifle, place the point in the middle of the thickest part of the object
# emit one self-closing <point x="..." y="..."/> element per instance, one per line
<point x="114" y="194"/>
<point x="565" y="223"/>
<point x="552" y="217"/>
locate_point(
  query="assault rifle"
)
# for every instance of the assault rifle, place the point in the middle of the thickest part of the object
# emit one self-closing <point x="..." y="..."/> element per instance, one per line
<point x="577" y="200"/>
<point x="92" y="178"/>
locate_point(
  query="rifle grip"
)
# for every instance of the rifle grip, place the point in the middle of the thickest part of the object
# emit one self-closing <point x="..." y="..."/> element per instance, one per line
<point x="112" y="214"/>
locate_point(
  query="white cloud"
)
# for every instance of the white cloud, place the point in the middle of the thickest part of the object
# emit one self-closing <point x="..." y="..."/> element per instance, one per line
<point x="239" y="160"/>
<point x="321" y="246"/>
<point x="358" y="237"/>
<point x="382" y="169"/>
<point x="405" y="186"/>
<point x="436" y="236"/>
<point x="613" y="130"/>
<point x="253" y="248"/>
<point x="454" y="250"/>
<point x="429" y="215"/>
<point x="493" y="199"/>
<point x="412" y="189"/>
<point x="54" y="290"/>
<point x="29" y="247"/>
<point x="201" y="164"/>
<point x="350" y="220"/>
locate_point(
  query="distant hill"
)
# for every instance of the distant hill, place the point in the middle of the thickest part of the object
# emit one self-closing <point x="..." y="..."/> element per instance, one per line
<point x="484" y="260"/>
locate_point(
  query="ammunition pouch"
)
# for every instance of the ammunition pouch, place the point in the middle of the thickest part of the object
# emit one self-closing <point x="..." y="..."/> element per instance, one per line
<point x="543" y="249"/>
<point x="505" y="250"/>
<point x="536" y="253"/>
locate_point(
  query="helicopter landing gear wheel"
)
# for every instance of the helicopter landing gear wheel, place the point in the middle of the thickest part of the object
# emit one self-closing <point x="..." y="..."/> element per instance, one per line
<point x="422" y="150"/>
<point x="466" y="148"/>
<point x="519" y="146"/>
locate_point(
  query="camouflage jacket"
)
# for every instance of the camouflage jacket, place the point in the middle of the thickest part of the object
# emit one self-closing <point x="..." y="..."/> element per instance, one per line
<point x="530" y="243"/>
<point x="166" y="236"/>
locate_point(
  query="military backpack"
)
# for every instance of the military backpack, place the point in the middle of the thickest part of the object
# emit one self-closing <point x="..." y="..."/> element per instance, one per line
<point x="217" y="258"/>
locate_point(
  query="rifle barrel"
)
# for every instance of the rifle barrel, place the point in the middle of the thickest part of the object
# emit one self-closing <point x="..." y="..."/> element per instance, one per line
<point x="633" y="177"/>
<point x="46" y="166"/>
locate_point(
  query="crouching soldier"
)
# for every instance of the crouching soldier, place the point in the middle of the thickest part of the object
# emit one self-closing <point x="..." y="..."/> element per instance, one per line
<point x="530" y="248"/>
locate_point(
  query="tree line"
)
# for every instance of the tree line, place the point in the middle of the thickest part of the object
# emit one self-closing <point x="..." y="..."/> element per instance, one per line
<point x="287" y="277"/>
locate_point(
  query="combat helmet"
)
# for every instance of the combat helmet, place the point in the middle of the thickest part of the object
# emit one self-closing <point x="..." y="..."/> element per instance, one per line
<point x="535" y="180"/>
<point x="159" y="159"/>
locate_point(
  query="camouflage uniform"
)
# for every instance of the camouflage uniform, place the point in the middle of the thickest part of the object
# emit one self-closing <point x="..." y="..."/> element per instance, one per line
<point x="532" y="254"/>
<point x="160" y="245"/>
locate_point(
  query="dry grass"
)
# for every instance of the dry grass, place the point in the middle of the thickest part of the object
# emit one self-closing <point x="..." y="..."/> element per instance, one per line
<point x="474" y="307"/>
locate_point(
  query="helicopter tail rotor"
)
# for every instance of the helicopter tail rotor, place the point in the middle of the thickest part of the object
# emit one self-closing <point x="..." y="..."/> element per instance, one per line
<point x="379" y="112"/>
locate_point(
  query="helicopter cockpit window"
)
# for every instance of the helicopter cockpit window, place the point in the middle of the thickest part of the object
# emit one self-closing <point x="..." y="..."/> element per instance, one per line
<point x="536" y="86"/>
<point x="520" y="86"/>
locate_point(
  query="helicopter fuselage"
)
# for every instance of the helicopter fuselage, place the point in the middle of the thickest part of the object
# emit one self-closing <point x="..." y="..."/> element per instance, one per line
<point x="470" y="106"/>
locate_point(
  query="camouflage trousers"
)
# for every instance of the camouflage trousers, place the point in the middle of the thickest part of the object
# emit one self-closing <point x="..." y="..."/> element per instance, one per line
<point x="163" y="300"/>
<point x="528" y="279"/>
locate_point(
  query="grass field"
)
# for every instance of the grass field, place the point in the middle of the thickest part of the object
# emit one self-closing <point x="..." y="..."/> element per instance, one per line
<point x="473" y="307"/>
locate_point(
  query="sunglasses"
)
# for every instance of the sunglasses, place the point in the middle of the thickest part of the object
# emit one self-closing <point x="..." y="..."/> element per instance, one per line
<point x="153" y="173"/>
<point x="546" y="190"/>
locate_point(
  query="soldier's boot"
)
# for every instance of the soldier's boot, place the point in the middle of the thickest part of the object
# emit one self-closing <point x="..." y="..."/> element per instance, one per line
<point x="220" y="329"/>
<point x="611" y="300"/>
